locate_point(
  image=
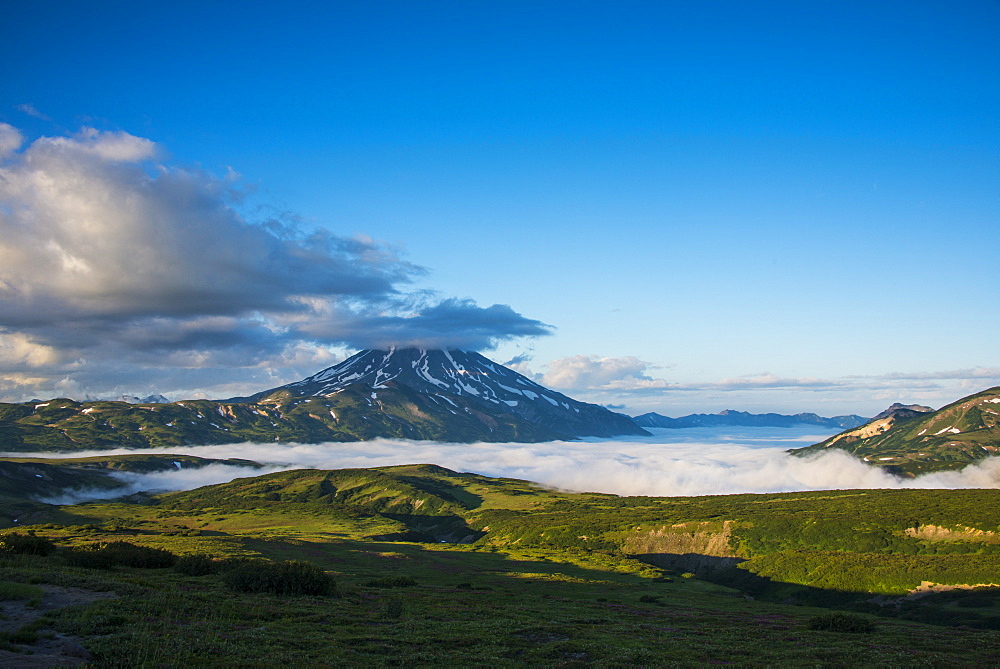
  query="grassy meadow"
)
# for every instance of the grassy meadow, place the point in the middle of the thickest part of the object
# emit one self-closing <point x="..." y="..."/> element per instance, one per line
<point x="433" y="567"/>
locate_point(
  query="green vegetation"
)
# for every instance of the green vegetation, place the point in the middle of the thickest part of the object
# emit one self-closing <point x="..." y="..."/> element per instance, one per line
<point x="26" y="544"/>
<point x="393" y="582"/>
<point x="119" y="554"/>
<point x="10" y="591"/>
<point x="290" y="577"/>
<point x="64" y="425"/>
<point x="348" y="567"/>
<point x="842" y="622"/>
<point x="953" y="437"/>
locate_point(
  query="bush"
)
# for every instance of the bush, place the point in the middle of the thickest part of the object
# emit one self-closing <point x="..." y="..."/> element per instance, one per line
<point x="393" y="582"/>
<point x="975" y="602"/>
<point x="197" y="565"/>
<point x="281" y="578"/>
<point x="26" y="544"/>
<point x="120" y="554"/>
<point x="842" y="622"/>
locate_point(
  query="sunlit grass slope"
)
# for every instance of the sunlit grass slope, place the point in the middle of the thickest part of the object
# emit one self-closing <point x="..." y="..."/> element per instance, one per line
<point x="545" y="577"/>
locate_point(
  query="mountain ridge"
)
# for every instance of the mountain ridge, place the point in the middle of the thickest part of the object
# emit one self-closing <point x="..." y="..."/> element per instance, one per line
<point x="732" y="417"/>
<point x="454" y="396"/>
<point x="912" y="442"/>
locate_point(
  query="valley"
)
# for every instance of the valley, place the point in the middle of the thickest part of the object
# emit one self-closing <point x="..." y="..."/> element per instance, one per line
<point x="229" y="532"/>
<point x="434" y="566"/>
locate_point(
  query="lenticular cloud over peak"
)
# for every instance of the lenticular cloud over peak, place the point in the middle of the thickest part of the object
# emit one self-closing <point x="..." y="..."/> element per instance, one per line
<point x="116" y="267"/>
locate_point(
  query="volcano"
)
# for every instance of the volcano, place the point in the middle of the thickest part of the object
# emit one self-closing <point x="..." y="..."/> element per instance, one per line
<point x="462" y="381"/>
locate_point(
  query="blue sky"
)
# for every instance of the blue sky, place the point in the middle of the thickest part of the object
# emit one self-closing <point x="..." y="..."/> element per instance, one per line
<point x="777" y="206"/>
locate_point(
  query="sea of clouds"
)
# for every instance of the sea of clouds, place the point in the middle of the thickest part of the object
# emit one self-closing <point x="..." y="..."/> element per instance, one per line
<point x="695" y="461"/>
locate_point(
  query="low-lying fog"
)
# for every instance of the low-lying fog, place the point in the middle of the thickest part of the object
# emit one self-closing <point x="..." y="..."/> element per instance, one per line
<point x="693" y="461"/>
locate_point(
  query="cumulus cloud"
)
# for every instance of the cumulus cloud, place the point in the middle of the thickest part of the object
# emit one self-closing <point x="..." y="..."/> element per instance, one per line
<point x="601" y="373"/>
<point x="698" y="461"/>
<point x="10" y="140"/>
<point x="110" y="256"/>
<point x="90" y="234"/>
<point x="636" y="386"/>
<point x="458" y="323"/>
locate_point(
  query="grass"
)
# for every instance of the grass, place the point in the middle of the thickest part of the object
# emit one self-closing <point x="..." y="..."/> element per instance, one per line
<point x="14" y="591"/>
<point x="531" y="607"/>
<point x="534" y="590"/>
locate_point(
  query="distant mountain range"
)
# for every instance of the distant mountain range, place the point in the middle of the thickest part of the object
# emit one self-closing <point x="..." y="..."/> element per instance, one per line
<point x="914" y="439"/>
<point x="436" y="395"/>
<point x="461" y="396"/>
<point x="742" y="418"/>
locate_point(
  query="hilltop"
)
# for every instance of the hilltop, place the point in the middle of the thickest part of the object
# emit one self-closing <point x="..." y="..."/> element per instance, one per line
<point x="915" y="440"/>
<point x="441" y="375"/>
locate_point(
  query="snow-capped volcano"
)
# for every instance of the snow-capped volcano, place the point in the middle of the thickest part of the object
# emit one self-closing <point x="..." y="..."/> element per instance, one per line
<point x="442" y="374"/>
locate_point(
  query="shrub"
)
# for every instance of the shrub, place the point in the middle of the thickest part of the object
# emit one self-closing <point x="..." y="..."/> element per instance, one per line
<point x="393" y="582"/>
<point x="281" y="578"/>
<point x="120" y="554"/>
<point x="975" y="602"/>
<point x="130" y="555"/>
<point x="196" y="565"/>
<point x="842" y="622"/>
<point x="26" y="544"/>
<point x="89" y="557"/>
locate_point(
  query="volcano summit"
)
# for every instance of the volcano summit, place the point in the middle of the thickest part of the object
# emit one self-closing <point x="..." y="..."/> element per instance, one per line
<point x="462" y="382"/>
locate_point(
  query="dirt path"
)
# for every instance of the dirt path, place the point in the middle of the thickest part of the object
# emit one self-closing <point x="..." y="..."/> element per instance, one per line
<point x="59" y="651"/>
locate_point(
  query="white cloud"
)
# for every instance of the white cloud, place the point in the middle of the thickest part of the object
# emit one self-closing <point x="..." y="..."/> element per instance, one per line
<point x="116" y="147"/>
<point x="592" y="372"/>
<point x="764" y="380"/>
<point x="163" y="481"/>
<point x="10" y="140"/>
<point x="30" y="110"/>
<point x="975" y="373"/>
<point x="116" y="267"/>
<point x="19" y="350"/>
<point x="698" y="461"/>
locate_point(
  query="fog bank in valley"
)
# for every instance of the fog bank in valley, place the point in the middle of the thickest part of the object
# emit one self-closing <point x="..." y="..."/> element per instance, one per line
<point x="698" y="461"/>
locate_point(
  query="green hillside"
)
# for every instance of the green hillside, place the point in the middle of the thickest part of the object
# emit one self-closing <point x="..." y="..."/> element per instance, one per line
<point x="929" y="534"/>
<point x="353" y="414"/>
<point x="436" y="567"/>
<point x="24" y="481"/>
<point x="952" y="437"/>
